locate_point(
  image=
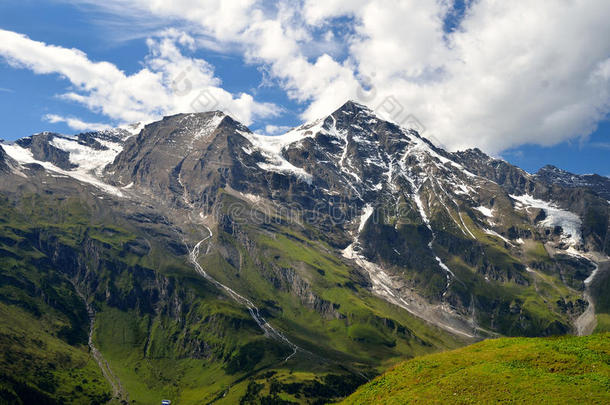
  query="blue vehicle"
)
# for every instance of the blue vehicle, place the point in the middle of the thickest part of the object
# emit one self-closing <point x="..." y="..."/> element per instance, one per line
<point x="166" y="402"/>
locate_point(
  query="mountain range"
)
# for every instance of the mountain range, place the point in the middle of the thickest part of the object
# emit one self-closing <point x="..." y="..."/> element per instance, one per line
<point x="195" y="260"/>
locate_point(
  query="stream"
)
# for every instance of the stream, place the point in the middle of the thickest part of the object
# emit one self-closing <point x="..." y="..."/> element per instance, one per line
<point x="254" y="311"/>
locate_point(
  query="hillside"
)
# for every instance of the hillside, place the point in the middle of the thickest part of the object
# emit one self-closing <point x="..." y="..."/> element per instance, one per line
<point x="194" y="260"/>
<point x="559" y="370"/>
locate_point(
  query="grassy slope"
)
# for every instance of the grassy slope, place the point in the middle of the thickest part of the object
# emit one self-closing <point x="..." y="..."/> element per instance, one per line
<point x="43" y="338"/>
<point x="151" y="352"/>
<point x="38" y="367"/>
<point x="509" y="370"/>
<point x="368" y="332"/>
<point x="145" y="359"/>
<point x="44" y="357"/>
<point x="146" y="350"/>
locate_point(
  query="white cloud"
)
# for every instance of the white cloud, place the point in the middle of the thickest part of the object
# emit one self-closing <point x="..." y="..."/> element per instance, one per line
<point x="512" y="73"/>
<point x="169" y="82"/>
<point x="272" y="35"/>
<point x="600" y="145"/>
<point x="276" y="129"/>
<point x="76" y="123"/>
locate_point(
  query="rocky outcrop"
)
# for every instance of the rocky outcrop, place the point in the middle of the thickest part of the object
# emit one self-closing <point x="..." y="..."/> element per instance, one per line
<point x="286" y="279"/>
<point x="43" y="150"/>
<point x="4" y="162"/>
<point x="600" y="185"/>
<point x="512" y="178"/>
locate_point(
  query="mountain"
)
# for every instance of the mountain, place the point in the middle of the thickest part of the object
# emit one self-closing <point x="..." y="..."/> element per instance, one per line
<point x="194" y="259"/>
<point x="517" y="370"/>
<point x="594" y="182"/>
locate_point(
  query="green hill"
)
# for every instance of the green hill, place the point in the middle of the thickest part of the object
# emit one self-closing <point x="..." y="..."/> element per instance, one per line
<point x="567" y="370"/>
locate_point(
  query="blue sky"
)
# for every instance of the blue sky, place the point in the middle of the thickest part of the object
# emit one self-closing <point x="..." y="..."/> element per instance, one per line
<point x="282" y="98"/>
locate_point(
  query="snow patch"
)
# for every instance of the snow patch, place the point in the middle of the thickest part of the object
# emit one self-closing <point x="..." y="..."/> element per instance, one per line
<point x="280" y="165"/>
<point x="255" y="199"/>
<point x="555" y="216"/>
<point x="271" y="147"/>
<point x="589" y="279"/>
<point x="86" y="158"/>
<point x="462" y="189"/>
<point x="276" y="144"/>
<point x="496" y="234"/>
<point x="488" y="212"/>
<point x="366" y="214"/>
<point x="209" y="127"/>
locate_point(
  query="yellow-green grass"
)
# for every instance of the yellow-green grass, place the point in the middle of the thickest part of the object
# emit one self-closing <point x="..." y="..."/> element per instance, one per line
<point x="559" y="370"/>
<point x="603" y="323"/>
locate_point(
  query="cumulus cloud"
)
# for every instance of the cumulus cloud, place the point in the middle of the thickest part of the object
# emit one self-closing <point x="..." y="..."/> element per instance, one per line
<point x="169" y="82"/>
<point x="513" y="73"/>
<point x="510" y="73"/>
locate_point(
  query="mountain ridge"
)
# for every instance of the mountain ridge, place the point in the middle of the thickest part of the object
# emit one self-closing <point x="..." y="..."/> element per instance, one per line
<point x="349" y="228"/>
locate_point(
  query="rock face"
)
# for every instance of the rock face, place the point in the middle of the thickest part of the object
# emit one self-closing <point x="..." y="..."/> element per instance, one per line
<point x="42" y="148"/>
<point x="4" y="161"/>
<point x="513" y="179"/>
<point x="594" y="182"/>
<point x="185" y="157"/>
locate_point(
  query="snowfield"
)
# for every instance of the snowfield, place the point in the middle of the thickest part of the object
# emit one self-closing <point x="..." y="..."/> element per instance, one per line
<point x="88" y="159"/>
<point x="555" y="216"/>
<point x="85" y="174"/>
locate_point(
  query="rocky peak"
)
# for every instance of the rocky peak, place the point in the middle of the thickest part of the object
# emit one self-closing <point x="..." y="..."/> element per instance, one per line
<point x="551" y="168"/>
<point x="4" y="161"/>
<point x="42" y="148"/>
<point x="552" y="175"/>
<point x="512" y="178"/>
<point x="181" y="156"/>
<point x="473" y="154"/>
<point x="354" y="117"/>
<point x="353" y="107"/>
